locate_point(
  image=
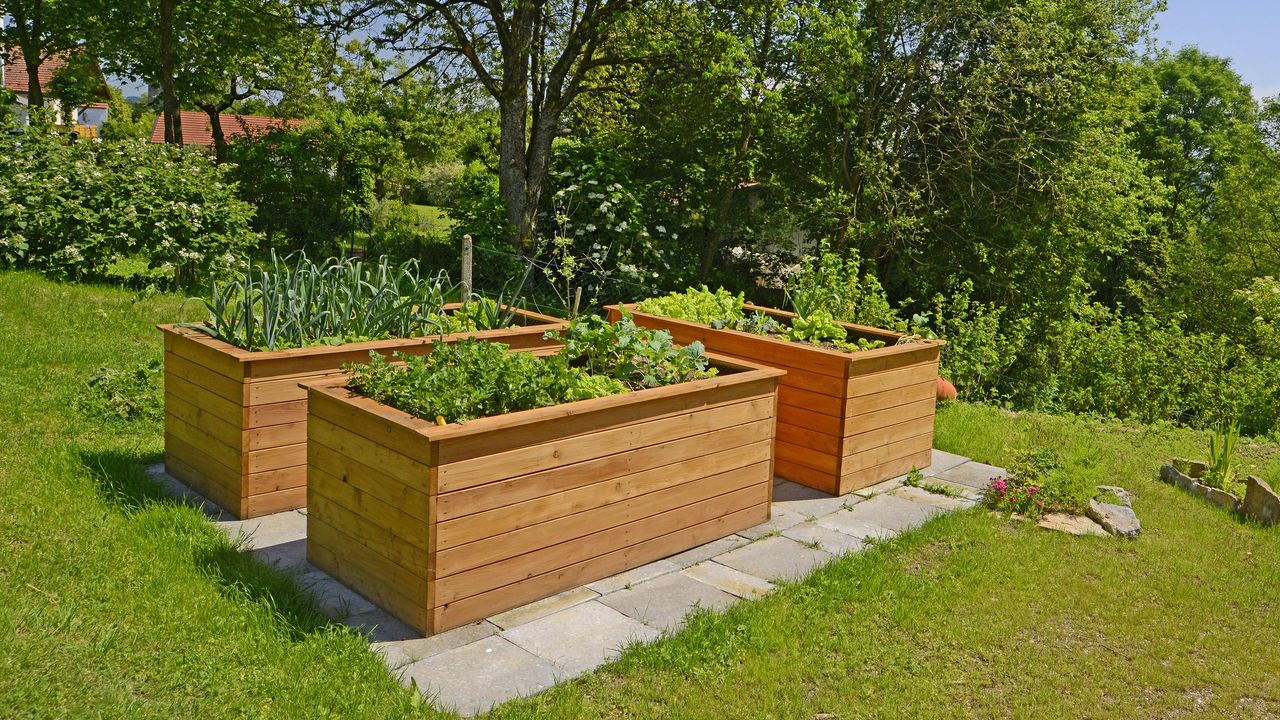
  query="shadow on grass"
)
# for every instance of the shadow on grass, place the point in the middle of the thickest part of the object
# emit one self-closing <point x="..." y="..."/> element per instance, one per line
<point x="240" y="574"/>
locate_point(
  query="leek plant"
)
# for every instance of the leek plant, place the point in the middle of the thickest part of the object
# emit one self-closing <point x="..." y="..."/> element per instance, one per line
<point x="292" y="302"/>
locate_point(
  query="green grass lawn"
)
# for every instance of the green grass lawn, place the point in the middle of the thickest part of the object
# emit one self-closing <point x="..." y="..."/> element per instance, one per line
<point x="115" y="602"/>
<point x="434" y="219"/>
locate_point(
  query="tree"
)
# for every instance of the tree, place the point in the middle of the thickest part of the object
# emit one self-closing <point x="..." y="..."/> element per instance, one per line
<point x="531" y="56"/>
<point x="75" y="84"/>
<point x="43" y="29"/>
<point x="209" y="55"/>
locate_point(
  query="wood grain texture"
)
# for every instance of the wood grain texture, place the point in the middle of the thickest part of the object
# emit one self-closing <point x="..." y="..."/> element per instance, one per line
<point x="566" y="496"/>
<point x="832" y="405"/>
<point x="234" y="410"/>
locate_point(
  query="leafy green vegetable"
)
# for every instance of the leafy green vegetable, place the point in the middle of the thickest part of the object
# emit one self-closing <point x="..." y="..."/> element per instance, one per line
<point x="697" y="305"/>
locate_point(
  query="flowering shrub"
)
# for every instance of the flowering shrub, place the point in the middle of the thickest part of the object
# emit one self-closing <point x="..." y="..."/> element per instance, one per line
<point x="72" y="209"/>
<point x="1038" y="483"/>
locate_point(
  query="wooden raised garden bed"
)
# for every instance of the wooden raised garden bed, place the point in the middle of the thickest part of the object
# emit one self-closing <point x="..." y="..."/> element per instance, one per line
<point x="236" y="420"/>
<point x="443" y="525"/>
<point x="846" y="420"/>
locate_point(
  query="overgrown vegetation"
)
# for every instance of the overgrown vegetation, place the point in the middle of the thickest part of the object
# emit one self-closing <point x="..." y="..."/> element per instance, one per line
<point x="1038" y="482"/>
<point x="473" y="378"/>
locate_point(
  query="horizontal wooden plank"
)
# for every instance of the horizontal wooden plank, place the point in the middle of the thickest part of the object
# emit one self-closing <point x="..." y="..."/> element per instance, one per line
<point x="563" y="529"/>
<point x="884" y="453"/>
<point x="816" y="422"/>
<point x="277" y="391"/>
<point x="203" y="350"/>
<point x="203" y="377"/>
<point x="228" y="410"/>
<point x="771" y="351"/>
<point x="815" y="402"/>
<point x="868" y="422"/>
<point x="377" y="423"/>
<point x="797" y="473"/>
<point x="206" y="420"/>
<point x="257" y="416"/>
<point x="410" y="529"/>
<point x="275" y="435"/>
<point x="369" y="480"/>
<point x="275" y="458"/>
<point x="526" y="487"/>
<point x="818" y="460"/>
<point x="219" y="484"/>
<point x="549" y="559"/>
<point x="459" y="531"/>
<point x="208" y="446"/>
<point x="486" y="436"/>
<point x="887" y="434"/>
<point x="404" y="469"/>
<point x="477" y="607"/>
<point x="388" y="585"/>
<point x="402" y="544"/>
<point x="270" y="503"/>
<point x="807" y="438"/>
<point x="893" y="357"/>
<point x="860" y="385"/>
<point x="859" y="479"/>
<point x="512" y="463"/>
<point x="269" y="481"/>
<point x="927" y="390"/>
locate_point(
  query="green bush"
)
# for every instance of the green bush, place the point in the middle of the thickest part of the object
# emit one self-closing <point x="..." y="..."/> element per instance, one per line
<point x="73" y="209"/>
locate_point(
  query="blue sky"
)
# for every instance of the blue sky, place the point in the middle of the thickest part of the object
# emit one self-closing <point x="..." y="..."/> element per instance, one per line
<point x="1247" y="31"/>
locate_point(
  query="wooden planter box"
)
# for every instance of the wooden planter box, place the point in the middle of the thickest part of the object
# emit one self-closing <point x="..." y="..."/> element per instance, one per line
<point x="446" y="525"/>
<point x="845" y="420"/>
<point x="235" y="425"/>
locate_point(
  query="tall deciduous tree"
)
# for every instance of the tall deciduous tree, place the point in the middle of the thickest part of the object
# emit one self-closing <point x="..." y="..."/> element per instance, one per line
<point x="533" y="58"/>
<point x="42" y="29"/>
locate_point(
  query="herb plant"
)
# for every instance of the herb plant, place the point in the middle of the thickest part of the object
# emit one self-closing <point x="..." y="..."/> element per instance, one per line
<point x="293" y="302"/>
<point x="472" y="378"/>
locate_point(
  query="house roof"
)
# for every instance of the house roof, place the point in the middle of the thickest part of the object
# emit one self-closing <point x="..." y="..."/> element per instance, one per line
<point x="196" y="129"/>
<point x="15" y="70"/>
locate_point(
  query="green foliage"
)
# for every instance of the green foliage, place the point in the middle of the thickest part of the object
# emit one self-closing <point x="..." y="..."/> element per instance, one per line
<point x="479" y="211"/>
<point x="74" y="209"/>
<point x="698" y="305"/>
<point x="837" y="284"/>
<point x="636" y="356"/>
<point x="473" y="378"/>
<point x="978" y="350"/>
<point x="1222" y="459"/>
<point x="113" y="394"/>
<point x="124" y="120"/>
<point x="75" y="84"/>
<point x="1038" y="483"/>
<point x="294" y="301"/>
<point x="916" y="479"/>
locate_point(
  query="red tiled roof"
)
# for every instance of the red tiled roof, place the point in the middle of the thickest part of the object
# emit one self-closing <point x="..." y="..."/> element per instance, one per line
<point x="196" y="129"/>
<point x="15" y="70"/>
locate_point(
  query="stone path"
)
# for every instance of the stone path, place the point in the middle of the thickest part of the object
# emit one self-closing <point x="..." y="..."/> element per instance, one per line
<point x="528" y="649"/>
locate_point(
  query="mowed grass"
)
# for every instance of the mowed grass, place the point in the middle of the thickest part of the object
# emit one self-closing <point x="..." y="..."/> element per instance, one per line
<point x="434" y="219"/>
<point x="115" y="602"/>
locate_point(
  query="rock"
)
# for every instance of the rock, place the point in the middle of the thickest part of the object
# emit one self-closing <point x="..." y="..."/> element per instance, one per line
<point x="1261" y="502"/>
<point x="946" y="391"/>
<point x="1118" y="520"/>
<point x="1221" y="498"/>
<point x="1197" y="469"/>
<point x="1071" y="524"/>
<point x="1126" y="497"/>
<point x="1174" y="476"/>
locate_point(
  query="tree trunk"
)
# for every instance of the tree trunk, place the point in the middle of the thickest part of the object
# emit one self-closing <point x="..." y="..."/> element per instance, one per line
<point x="35" y="94"/>
<point x="169" y="98"/>
<point x="215" y="128"/>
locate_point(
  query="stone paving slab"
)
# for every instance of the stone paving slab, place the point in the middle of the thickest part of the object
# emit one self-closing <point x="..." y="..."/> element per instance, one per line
<point x="542" y="608"/>
<point x="775" y="558"/>
<point x="664" y="601"/>
<point x="729" y="580"/>
<point x="633" y="576"/>
<point x="974" y="474"/>
<point x="831" y="541"/>
<point x="779" y="520"/>
<point x="920" y="495"/>
<point x="708" y="551"/>
<point x="580" y="638"/>
<point x="529" y="648"/>
<point x="474" y="677"/>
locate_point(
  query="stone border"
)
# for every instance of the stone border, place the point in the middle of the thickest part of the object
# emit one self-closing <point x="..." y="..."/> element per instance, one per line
<point x="1260" y="501"/>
